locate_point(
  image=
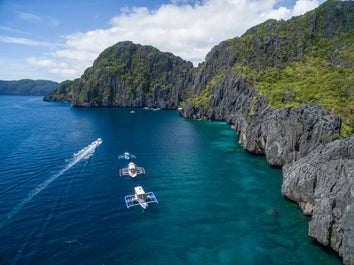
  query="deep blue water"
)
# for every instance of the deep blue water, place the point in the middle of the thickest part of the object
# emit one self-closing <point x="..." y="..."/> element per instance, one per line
<point x="217" y="204"/>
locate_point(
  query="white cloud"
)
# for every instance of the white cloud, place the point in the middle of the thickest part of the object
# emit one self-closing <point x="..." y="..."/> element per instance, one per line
<point x="302" y="6"/>
<point x="23" y="41"/>
<point x="43" y="62"/>
<point x="189" y="30"/>
<point x="12" y="30"/>
<point x="57" y="67"/>
<point x="28" y="16"/>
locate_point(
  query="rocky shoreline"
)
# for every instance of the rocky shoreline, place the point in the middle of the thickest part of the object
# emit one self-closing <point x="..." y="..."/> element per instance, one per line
<point x="318" y="168"/>
<point x="305" y="141"/>
<point x="322" y="184"/>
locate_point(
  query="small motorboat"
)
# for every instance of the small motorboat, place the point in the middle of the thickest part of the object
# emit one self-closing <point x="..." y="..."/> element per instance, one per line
<point x="140" y="197"/>
<point x="97" y="142"/>
<point x="132" y="170"/>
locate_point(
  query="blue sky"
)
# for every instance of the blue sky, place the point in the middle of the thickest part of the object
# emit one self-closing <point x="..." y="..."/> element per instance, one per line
<point x="58" y="40"/>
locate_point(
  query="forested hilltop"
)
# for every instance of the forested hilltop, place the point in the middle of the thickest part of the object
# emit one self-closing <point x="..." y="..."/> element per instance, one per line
<point x="305" y="60"/>
<point x="129" y="75"/>
<point x="27" y="87"/>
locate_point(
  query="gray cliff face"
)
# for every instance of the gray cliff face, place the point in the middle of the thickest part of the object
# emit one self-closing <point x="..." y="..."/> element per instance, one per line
<point x="322" y="184"/>
<point x="132" y="75"/>
<point x="318" y="170"/>
<point x="283" y="135"/>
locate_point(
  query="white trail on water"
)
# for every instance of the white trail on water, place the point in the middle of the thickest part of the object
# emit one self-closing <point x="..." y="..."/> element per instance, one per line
<point x="83" y="154"/>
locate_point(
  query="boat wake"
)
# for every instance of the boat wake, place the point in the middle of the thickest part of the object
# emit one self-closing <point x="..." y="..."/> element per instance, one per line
<point x="83" y="154"/>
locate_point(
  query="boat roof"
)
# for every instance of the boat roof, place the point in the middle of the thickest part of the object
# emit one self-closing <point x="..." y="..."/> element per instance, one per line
<point x="139" y="190"/>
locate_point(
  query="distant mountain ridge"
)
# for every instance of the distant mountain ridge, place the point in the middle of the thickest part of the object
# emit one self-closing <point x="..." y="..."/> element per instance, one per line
<point x="27" y="87"/>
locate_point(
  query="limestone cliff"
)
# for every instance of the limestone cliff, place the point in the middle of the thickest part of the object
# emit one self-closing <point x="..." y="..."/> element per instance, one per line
<point x="129" y="75"/>
<point x="304" y="139"/>
<point x="322" y="184"/>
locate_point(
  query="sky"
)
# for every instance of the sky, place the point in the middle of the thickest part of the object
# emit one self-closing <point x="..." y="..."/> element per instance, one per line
<point x="58" y="39"/>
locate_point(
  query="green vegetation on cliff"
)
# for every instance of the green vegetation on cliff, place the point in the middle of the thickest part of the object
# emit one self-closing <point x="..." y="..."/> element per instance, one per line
<point x="306" y="60"/>
<point x="324" y="72"/>
<point x="129" y="75"/>
<point x="62" y="93"/>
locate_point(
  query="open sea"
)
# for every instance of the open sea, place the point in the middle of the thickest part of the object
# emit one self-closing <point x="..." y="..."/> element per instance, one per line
<point x="62" y="199"/>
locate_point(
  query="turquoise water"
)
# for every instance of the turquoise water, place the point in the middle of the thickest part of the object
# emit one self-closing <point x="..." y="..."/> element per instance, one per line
<point x="217" y="204"/>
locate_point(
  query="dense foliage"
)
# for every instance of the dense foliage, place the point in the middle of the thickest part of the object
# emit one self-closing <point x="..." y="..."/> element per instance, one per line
<point x="129" y="74"/>
<point x="63" y="92"/>
<point x="306" y="60"/>
<point x="323" y="75"/>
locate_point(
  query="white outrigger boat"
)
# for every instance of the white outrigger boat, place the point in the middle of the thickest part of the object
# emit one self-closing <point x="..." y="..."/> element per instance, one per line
<point x="140" y="197"/>
<point x="132" y="170"/>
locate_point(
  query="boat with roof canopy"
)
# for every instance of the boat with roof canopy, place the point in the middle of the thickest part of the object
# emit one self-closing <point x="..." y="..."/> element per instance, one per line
<point x="140" y="197"/>
<point x="132" y="170"/>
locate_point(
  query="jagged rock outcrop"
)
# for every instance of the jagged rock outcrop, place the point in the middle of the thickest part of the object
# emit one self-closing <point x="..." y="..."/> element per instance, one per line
<point x="322" y="184"/>
<point x="129" y="75"/>
<point x="283" y="135"/>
